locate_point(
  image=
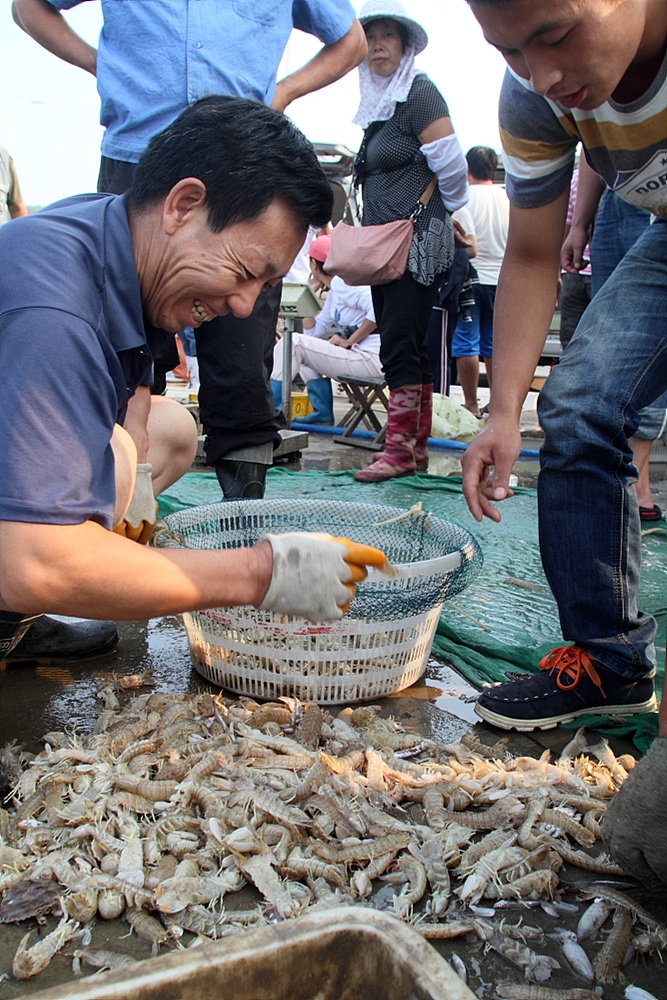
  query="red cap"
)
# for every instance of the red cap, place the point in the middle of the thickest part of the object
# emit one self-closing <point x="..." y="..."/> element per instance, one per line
<point x="319" y="248"/>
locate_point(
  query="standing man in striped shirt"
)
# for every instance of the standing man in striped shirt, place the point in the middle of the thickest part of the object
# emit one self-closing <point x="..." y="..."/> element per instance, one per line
<point x="590" y="72"/>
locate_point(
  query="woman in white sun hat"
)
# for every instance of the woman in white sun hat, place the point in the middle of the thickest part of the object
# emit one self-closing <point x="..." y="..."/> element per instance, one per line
<point x="408" y="138"/>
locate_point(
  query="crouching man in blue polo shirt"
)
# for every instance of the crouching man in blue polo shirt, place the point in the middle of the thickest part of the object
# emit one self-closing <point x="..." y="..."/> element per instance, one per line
<point x="219" y="208"/>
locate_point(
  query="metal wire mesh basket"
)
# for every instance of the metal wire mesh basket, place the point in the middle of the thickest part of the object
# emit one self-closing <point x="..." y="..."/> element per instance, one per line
<point x="383" y="643"/>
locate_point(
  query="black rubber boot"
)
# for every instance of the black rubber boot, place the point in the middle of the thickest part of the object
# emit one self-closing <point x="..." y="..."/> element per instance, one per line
<point x="241" y="480"/>
<point x="12" y="629"/>
<point x="48" y="640"/>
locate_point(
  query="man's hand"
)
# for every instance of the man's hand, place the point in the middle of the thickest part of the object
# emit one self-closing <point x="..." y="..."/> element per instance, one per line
<point x="139" y="519"/>
<point x="462" y="239"/>
<point x="315" y="575"/>
<point x="572" y="257"/>
<point x="487" y="465"/>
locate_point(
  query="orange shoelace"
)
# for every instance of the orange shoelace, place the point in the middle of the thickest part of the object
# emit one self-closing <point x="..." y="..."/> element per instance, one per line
<point x="570" y="662"/>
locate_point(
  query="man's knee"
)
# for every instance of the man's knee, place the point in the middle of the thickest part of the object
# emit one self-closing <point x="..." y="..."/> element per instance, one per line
<point x="172" y="435"/>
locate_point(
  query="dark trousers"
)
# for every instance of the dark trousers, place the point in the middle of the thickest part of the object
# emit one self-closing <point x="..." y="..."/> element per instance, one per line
<point x="574" y="298"/>
<point x="443" y="320"/>
<point x="402" y="313"/>
<point x="235" y="360"/>
<point x="439" y="333"/>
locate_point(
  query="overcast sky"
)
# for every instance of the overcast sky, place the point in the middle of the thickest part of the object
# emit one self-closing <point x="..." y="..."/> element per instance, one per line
<point x="49" y="111"/>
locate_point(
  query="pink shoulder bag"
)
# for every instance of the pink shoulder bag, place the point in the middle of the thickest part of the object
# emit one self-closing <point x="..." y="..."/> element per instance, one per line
<point x="374" y="255"/>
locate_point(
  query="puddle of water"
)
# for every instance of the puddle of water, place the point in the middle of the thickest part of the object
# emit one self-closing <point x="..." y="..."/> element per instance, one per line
<point x="445" y="689"/>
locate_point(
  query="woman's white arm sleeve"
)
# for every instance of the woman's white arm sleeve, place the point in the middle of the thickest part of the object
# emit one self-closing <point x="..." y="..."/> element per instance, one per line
<point x="324" y="318"/>
<point x="446" y="160"/>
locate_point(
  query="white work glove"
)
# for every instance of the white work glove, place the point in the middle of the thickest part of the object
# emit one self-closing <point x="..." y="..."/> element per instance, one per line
<point x="314" y="575"/>
<point x="140" y="516"/>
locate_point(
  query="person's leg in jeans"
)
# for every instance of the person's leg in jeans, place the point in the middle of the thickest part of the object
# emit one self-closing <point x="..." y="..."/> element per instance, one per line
<point x="588" y="512"/>
<point x="589" y="523"/>
<point x="617" y="228"/>
<point x="187" y="338"/>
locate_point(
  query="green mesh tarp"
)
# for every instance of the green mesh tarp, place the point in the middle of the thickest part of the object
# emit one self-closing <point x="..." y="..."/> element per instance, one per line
<point x="507" y="619"/>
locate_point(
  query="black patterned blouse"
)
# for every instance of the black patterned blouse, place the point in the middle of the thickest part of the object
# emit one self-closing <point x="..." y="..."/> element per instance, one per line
<point x="393" y="173"/>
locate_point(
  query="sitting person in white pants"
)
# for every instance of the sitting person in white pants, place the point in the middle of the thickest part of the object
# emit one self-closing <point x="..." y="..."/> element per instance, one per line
<point x="355" y="351"/>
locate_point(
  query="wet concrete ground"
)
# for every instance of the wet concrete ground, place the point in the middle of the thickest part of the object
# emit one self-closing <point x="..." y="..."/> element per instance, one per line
<point x="37" y="699"/>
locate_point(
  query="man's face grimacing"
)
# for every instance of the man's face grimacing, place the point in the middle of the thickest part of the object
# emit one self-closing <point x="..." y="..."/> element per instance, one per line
<point x="192" y="274"/>
<point x="572" y="51"/>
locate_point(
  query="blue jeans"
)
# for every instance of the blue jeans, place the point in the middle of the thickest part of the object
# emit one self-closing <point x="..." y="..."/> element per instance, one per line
<point x="617" y="227"/>
<point x="589" y="522"/>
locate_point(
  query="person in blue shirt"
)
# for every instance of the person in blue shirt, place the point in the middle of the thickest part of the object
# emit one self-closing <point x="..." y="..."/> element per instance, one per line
<point x="153" y="60"/>
<point x="184" y="245"/>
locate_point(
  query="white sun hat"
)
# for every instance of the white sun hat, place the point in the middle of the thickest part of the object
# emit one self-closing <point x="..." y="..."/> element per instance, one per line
<point x="374" y="9"/>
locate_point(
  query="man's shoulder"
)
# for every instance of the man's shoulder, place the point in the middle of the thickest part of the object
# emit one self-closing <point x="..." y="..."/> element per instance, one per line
<point x="60" y="253"/>
<point x="76" y="226"/>
<point x="538" y="147"/>
<point x="76" y="205"/>
<point x="526" y="114"/>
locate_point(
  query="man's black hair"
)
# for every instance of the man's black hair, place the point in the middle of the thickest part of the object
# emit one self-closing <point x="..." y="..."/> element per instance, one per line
<point x="482" y="162"/>
<point x="245" y="153"/>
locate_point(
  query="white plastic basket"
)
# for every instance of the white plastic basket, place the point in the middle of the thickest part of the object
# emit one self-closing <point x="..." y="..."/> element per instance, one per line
<point x="380" y="647"/>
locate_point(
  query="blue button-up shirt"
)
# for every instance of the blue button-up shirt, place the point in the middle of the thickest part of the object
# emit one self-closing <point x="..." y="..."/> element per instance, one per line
<point x="157" y="56"/>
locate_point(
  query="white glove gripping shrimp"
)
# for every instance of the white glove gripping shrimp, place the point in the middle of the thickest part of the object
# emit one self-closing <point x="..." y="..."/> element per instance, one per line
<point x="314" y="575"/>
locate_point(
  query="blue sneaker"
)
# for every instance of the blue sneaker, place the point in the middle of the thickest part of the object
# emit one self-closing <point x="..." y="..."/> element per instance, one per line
<point x="569" y="686"/>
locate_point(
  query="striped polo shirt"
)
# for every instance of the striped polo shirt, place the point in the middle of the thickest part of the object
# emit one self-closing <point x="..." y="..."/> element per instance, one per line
<point x="625" y="143"/>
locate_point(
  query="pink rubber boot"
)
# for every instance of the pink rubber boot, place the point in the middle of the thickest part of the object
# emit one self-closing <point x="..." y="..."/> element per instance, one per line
<point x="398" y="457"/>
<point x="424" y="429"/>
